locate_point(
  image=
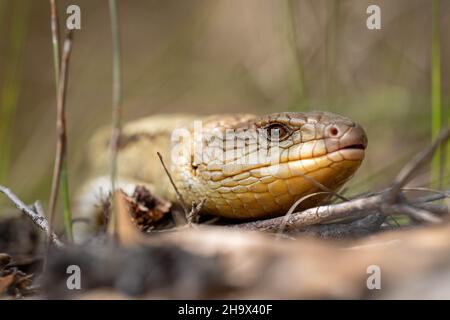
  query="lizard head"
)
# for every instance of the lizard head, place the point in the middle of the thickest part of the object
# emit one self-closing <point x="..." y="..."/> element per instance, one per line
<point x="259" y="166"/>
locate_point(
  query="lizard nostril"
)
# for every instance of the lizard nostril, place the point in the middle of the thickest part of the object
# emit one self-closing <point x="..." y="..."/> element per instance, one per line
<point x="334" y="131"/>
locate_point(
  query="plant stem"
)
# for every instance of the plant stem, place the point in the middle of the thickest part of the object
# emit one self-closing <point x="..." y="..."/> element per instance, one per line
<point x="436" y="107"/>
<point x="61" y="144"/>
<point x="64" y="168"/>
<point x="116" y="103"/>
<point x="55" y="41"/>
<point x="66" y="198"/>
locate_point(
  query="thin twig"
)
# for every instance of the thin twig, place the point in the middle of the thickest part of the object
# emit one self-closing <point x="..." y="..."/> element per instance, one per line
<point x="323" y="187"/>
<point x="440" y="210"/>
<point x="55" y="40"/>
<point x="410" y="168"/>
<point x="35" y="215"/>
<point x="64" y="169"/>
<point x="61" y="144"/>
<point x="420" y="214"/>
<point x="179" y="196"/>
<point x="116" y="103"/>
<point x="433" y="197"/>
<point x="37" y="207"/>
<point x="195" y="210"/>
<point x="295" y="205"/>
<point x="438" y="196"/>
<point x="423" y="189"/>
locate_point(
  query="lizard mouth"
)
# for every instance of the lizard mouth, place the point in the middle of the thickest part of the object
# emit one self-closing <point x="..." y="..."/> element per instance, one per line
<point x="359" y="146"/>
<point x="353" y="152"/>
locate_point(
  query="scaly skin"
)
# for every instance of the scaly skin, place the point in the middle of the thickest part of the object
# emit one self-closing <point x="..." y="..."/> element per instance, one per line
<point x="326" y="147"/>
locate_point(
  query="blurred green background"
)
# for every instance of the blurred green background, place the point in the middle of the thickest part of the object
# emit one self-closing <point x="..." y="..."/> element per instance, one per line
<point x="216" y="56"/>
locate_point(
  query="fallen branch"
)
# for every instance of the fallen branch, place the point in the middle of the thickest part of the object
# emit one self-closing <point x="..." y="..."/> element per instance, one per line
<point x="35" y="214"/>
<point x="316" y="215"/>
<point x="361" y="206"/>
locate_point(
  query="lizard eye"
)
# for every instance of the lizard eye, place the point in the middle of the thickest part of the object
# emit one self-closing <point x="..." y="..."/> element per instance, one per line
<point x="277" y="131"/>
